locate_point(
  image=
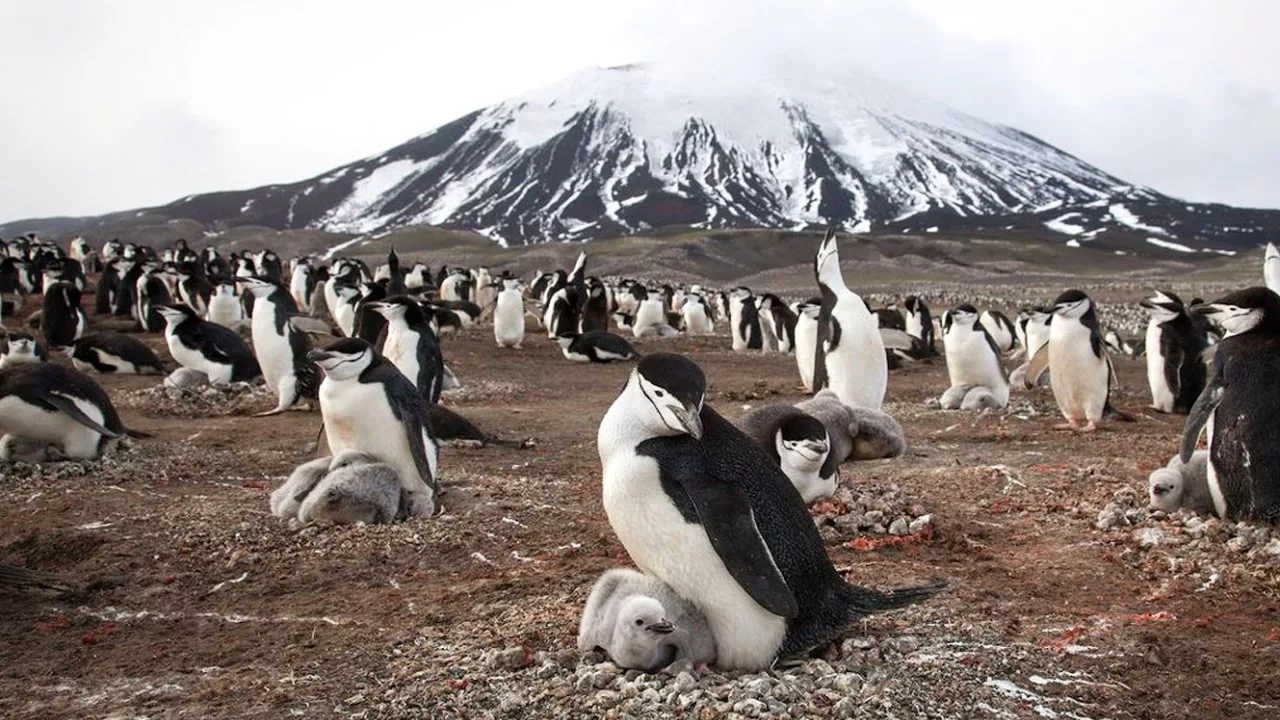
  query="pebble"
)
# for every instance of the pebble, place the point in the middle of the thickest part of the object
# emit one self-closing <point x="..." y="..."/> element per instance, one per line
<point x="1149" y="537"/>
<point x="900" y="526"/>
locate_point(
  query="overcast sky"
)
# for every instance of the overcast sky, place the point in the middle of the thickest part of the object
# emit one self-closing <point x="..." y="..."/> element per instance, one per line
<point x="115" y="104"/>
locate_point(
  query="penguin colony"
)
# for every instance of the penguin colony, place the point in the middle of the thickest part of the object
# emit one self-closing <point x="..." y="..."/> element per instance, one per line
<point x="732" y="571"/>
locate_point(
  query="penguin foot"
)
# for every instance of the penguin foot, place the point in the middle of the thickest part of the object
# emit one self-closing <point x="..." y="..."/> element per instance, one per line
<point x="269" y="413"/>
<point x="1071" y="425"/>
<point x="1091" y="427"/>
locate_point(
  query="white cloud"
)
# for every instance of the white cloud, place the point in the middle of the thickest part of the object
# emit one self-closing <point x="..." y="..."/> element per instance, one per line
<point x="126" y="103"/>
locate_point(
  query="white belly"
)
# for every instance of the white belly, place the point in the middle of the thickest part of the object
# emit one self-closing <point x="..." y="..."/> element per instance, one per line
<point x="218" y="373"/>
<point x="649" y="315"/>
<point x="357" y="417"/>
<point x="1037" y="336"/>
<point x="696" y="321"/>
<point x="19" y="418"/>
<point x="858" y="370"/>
<point x="1161" y="395"/>
<point x="1215" y="489"/>
<point x="971" y="362"/>
<point x="401" y="348"/>
<point x="344" y="315"/>
<point x="1271" y="274"/>
<point x="806" y="349"/>
<point x="122" y="366"/>
<point x="1078" y="377"/>
<point x="508" y="318"/>
<point x="224" y="310"/>
<point x="679" y="553"/>
<point x="735" y="326"/>
<point x="272" y="350"/>
<point x="914" y="327"/>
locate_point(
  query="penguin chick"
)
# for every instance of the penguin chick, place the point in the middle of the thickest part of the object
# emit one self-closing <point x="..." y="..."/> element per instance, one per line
<point x="855" y="433"/>
<point x="357" y="489"/>
<point x="185" y="378"/>
<point x="1181" y="485"/>
<point x="20" y="449"/>
<point x="642" y="624"/>
<point x="286" y="499"/>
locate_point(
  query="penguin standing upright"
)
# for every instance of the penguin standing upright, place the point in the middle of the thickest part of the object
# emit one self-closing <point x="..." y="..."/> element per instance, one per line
<point x="207" y="347"/>
<point x="780" y="320"/>
<point x="850" y="354"/>
<point x="1033" y="334"/>
<point x="1175" y="369"/>
<point x="697" y="316"/>
<point x="1239" y="408"/>
<point x="595" y="311"/>
<point x="508" y="314"/>
<point x="698" y="505"/>
<point x="300" y="283"/>
<point x="1080" y="370"/>
<point x="744" y="321"/>
<point x="973" y="363"/>
<point x="412" y="346"/>
<point x="281" y="349"/>
<point x="62" y="320"/>
<point x="1271" y="268"/>
<point x="224" y="307"/>
<point x="484" y="294"/>
<point x="370" y="406"/>
<point x="807" y="339"/>
<point x="919" y="323"/>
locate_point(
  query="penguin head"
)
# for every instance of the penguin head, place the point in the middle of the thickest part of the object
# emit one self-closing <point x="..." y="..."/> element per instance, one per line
<point x="665" y="395"/>
<point x="261" y="287"/>
<point x="175" y="315"/>
<point x="1272" y="252"/>
<point x="1163" y="306"/>
<point x="740" y="293"/>
<point x="826" y="264"/>
<point x="1164" y="490"/>
<point x="510" y="283"/>
<point x="344" y="359"/>
<point x="565" y="339"/>
<point x="642" y="621"/>
<point x="1251" y="310"/>
<point x="802" y="439"/>
<point x="225" y="288"/>
<point x="964" y="316"/>
<point x="399" y="307"/>
<point x="1072" y="304"/>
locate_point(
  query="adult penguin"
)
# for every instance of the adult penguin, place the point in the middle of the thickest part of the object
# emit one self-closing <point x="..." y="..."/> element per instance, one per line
<point x="411" y="345"/>
<point x="1239" y="407"/>
<point x="850" y="354"/>
<point x="1081" y="373"/>
<point x="280" y="348"/>
<point x="702" y="507"/>
<point x="1175" y="367"/>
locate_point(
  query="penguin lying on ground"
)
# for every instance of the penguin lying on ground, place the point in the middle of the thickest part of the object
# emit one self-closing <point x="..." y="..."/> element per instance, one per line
<point x="677" y="475"/>
<point x="449" y="425"/>
<point x="855" y="433"/>
<point x="1181" y="485"/>
<point x="596" y="346"/>
<point x="53" y="404"/>
<point x="212" y="349"/>
<point x="358" y="488"/>
<point x="642" y="625"/>
<point x="799" y="443"/>
<point x="108" y="352"/>
<point x="18" y="347"/>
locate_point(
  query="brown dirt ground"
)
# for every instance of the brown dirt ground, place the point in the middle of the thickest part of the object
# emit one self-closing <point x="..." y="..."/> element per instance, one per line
<point x="197" y="603"/>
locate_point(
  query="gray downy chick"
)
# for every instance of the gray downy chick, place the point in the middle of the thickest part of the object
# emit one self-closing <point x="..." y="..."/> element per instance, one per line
<point x="1177" y="486"/>
<point x="287" y="499"/>
<point x="20" y="449"/>
<point x="642" y="624"/>
<point x="856" y="433"/>
<point x="358" y="488"/>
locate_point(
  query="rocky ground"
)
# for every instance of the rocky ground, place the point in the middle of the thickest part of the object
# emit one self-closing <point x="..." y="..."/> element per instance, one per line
<point x="1067" y="599"/>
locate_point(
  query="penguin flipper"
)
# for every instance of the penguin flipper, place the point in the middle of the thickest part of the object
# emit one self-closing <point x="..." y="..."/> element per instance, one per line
<point x="1037" y="366"/>
<point x="69" y="407"/>
<point x="724" y="510"/>
<point x="1200" y="412"/>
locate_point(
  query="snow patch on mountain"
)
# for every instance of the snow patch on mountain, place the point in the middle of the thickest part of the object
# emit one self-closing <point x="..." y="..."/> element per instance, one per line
<point x="1125" y="217"/>
<point x="1170" y="245"/>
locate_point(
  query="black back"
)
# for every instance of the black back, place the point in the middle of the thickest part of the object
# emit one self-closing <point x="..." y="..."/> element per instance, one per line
<point x="60" y="314"/>
<point x="221" y="345"/>
<point x="588" y="343"/>
<point x="595" y="311"/>
<point x="36" y="383"/>
<point x="749" y="324"/>
<point x="125" y="347"/>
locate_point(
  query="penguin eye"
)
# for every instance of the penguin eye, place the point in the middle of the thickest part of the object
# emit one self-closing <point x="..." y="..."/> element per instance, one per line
<point x="639" y="622"/>
<point x="658" y="393"/>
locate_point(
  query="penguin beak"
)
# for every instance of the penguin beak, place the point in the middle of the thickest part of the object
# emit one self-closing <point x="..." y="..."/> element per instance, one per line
<point x="814" y="447"/>
<point x="663" y="628"/>
<point x="691" y="420"/>
<point x="1204" y="309"/>
<point x="317" y="356"/>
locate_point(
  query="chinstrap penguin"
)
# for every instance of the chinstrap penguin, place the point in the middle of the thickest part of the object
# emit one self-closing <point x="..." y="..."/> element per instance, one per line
<point x="1082" y="375"/>
<point x="53" y="404"/>
<point x="1176" y="371"/>
<point x="212" y="349"/>
<point x="596" y="346"/>
<point x="109" y="352"/>
<point x="973" y="363"/>
<point x="799" y="443"/>
<point x="850" y="356"/>
<point x="641" y="624"/>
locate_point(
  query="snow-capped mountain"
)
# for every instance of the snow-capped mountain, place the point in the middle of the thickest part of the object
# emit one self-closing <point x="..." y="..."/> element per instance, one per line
<point x="627" y="149"/>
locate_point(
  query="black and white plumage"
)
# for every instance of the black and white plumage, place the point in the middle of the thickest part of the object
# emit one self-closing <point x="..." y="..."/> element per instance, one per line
<point x="595" y="311"/>
<point x="919" y="322"/>
<point x="779" y="321"/>
<point x="151" y="291"/>
<point x="370" y="406"/>
<point x="207" y="347"/>
<point x="114" y="353"/>
<point x="224" y="306"/>
<point x="1271" y="268"/>
<point x="1076" y="357"/>
<point x="977" y="380"/>
<point x="850" y="356"/>
<point x="890" y="318"/>
<point x="1000" y="329"/>
<point x="807" y="339"/>
<point x="62" y="320"/>
<point x="701" y="507"/>
<point x="744" y="321"/>
<point x="1176" y="371"/>
<point x="799" y="443"/>
<point x="1239" y="409"/>
<point x="698" y="316"/>
<point x="54" y="404"/>
<point x="412" y="346"/>
<point x="596" y="346"/>
<point x="279" y="347"/>
<point x="641" y="624"/>
<point x="17" y="347"/>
